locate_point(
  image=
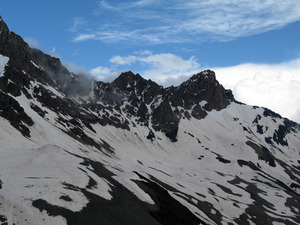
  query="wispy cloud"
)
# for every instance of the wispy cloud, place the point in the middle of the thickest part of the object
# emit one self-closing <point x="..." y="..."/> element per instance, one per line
<point x="76" y="69"/>
<point x="101" y="72"/>
<point x="84" y="37"/>
<point x="127" y="5"/>
<point x="169" y="21"/>
<point x="104" y="5"/>
<point x="78" y="23"/>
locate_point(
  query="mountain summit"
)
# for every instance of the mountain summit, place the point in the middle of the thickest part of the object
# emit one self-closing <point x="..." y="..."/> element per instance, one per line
<point x="79" y="151"/>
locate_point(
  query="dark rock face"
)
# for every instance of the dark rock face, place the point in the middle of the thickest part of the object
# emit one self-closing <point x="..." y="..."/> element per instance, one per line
<point x="166" y="106"/>
<point x="12" y="45"/>
<point x="144" y="99"/>
<point x="203" y="87"/>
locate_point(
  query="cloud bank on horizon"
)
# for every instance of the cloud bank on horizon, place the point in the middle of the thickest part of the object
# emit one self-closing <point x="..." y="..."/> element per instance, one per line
<point x="276" y="87"/>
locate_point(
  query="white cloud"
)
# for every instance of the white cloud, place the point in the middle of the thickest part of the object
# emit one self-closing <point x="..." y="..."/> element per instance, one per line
<point x="100" y="71"/>
<point x="75" y="69"/>
<point x="169" y="21"/>
<point x="104" y="73"/>
<point x="166" y="66"/>
<point x="276" y="87"/>
<point x="128" y="60"/>
<point x="160" y="67"/>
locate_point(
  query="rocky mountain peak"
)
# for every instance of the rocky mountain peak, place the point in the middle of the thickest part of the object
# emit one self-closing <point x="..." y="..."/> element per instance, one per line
<point x="202" y="82"/>
<point x="136" y="85"/>
<point x="11" y="44"/>
<point x="207" y="75"/>
<point x="127" y="81"/>
<point x="203" y="88"/>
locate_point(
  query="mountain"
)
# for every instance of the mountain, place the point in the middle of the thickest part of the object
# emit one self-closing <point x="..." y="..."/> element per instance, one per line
<point x="78" y="151"/>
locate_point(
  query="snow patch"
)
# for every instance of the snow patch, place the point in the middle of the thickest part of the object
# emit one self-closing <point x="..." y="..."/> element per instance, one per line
<point x="39" y="67"/>
<point x="3" y="62"/>
<point x="203" y="103"/>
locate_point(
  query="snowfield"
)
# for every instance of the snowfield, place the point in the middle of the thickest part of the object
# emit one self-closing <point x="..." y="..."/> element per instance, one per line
<point x="201" y="171"/>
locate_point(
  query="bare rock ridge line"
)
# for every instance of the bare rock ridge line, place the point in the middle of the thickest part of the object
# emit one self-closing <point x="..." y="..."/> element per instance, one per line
<point x="130" y="93"/>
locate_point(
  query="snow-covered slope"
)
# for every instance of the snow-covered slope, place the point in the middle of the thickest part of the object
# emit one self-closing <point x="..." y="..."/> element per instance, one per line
<point x="76" y="151"/>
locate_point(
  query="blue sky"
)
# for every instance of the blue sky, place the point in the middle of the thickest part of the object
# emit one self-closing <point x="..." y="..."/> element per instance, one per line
<point x="253" y="45"/>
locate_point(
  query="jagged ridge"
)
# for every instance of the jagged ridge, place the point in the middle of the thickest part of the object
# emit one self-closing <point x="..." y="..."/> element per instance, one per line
<point x="142" y="101"/>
